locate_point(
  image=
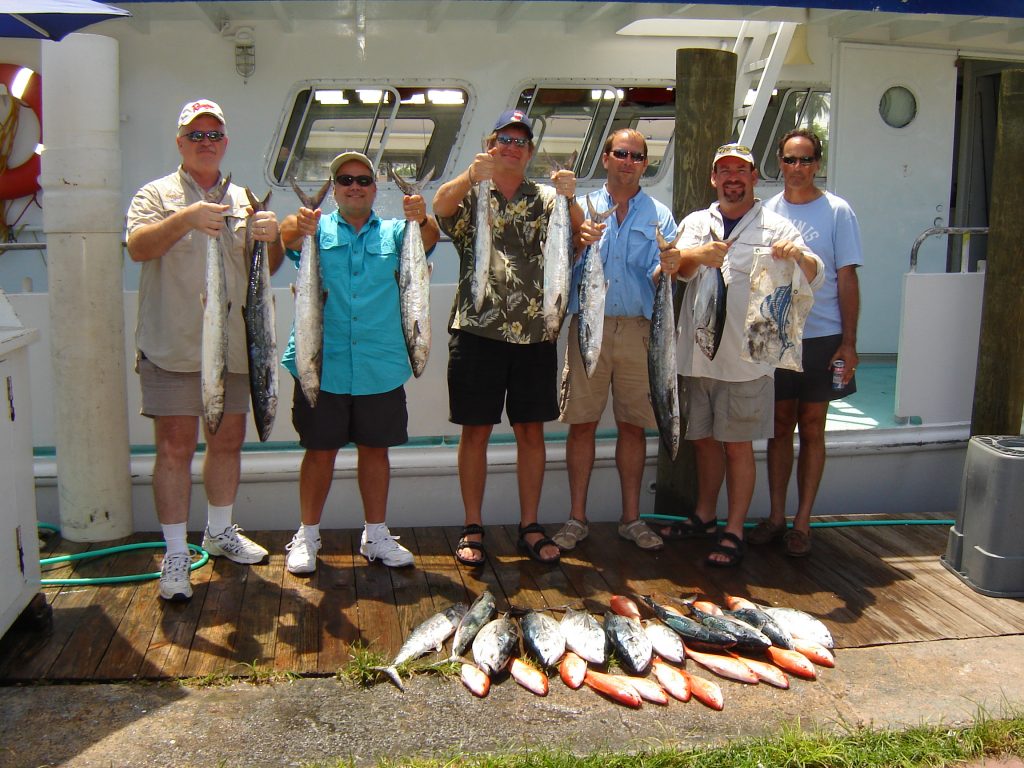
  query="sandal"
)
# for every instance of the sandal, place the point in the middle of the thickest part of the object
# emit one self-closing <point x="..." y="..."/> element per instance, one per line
<point x="640" y="534"/>
<point x="733" y="554"/>
<point x="478" y="546"/>
<point x="690" y="528"/>
<point x="572" y="533"/>
<point x="533" y="550"/>
<point x="797" y="543"/>
<point x="765" y="532"/>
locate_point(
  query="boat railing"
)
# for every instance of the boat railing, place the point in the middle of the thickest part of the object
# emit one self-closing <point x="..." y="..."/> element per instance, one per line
<point x="22" y="247"/>
<point x="965" y="232"/>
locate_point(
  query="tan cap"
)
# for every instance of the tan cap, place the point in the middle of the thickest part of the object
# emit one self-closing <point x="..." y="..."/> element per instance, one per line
<point x="194" y="109"/>
<point x="733" y="150"/>
<point x="344" y="157"/>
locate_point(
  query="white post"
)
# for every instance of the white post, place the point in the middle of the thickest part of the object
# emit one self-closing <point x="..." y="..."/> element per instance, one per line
<point x="84" y="223"/>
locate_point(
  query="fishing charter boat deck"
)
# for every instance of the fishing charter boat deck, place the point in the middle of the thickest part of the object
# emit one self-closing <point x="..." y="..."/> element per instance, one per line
<point x="874" y="584"/>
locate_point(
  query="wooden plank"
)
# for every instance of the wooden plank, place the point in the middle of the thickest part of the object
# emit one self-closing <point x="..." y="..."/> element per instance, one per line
<point x="476" y="579"/>
<point x="379" y="627"/>
<point x="297" y="644"/>
<point x="412" y="595"/>
<point x="214" y="640"/>
<point x="434" y="557"/>
<point x="256" y="629"/>
<point x="515" y="571"/>
<point x="338" y="620"/>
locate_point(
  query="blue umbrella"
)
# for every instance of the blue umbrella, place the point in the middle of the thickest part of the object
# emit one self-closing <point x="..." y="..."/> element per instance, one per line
<point x="52" y="19"/>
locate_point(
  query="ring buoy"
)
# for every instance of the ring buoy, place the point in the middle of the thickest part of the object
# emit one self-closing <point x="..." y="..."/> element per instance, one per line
<point x="23" y="180"/>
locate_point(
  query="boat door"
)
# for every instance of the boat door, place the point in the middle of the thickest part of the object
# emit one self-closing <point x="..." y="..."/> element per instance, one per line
<point x="893" y="120"/>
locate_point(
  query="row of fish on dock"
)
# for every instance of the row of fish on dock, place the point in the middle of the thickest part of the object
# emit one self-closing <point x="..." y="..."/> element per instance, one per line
<point x="744" y="642"/>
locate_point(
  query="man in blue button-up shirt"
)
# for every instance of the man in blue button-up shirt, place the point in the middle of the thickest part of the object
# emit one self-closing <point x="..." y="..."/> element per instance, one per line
<point x="365" y="361"/>
<point x="629" y="252"/>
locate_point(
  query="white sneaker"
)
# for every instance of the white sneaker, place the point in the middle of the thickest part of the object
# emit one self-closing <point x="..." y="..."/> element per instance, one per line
<point x="301" y="554"/>
<point x="387" y="550"/>
<point x="233" y="545"/>
<point x="174" y="577"/>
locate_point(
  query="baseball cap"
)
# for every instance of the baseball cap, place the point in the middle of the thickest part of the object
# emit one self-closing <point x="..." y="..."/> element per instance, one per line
<point x="344" y="157"/>
<point x="733" y="150"/>
<point x="194" y="109"/>
<point x="514" y="117"/>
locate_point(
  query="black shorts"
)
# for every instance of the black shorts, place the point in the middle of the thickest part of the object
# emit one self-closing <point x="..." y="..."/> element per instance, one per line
<point x="487" y="375"/>
<point x="376" y="421"/>
<point x="814" y="384"/>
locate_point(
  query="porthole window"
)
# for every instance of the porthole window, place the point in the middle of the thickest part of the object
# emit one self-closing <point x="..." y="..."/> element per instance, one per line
<point x="898" y="107"/>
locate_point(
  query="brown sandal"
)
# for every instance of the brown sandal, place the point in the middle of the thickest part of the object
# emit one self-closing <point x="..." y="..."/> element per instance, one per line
<point x="797" y="543"/>
<point x="765" y="532"/>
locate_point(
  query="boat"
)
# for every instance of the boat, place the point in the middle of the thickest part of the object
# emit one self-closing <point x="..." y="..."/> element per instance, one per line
<point x="904" y="93"/>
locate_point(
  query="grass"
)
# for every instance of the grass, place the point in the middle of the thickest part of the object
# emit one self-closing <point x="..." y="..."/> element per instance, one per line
<point x="922" y="747"/>
<point x="243" y="672"/>
<point x="364" y="667"/>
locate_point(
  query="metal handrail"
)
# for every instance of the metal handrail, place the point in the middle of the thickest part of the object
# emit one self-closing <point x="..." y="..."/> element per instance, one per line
<point x="22" y="247"/>
<point x="966" y="232"/>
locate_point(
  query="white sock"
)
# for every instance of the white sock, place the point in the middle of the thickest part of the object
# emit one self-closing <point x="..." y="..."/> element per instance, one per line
<point x="174" y="537"/>
<point x="376" y="531"/>
<point x="218" y="519"/>
<point x="311" y="532"/>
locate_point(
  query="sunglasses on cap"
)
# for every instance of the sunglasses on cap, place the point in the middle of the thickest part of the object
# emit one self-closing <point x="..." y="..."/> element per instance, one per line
<point x="791" y="160"/>
<point x="196" y="136"/>
<point x="346" y="180"/>
<point x="519" y="141"/>
<point x="622" y="154"/>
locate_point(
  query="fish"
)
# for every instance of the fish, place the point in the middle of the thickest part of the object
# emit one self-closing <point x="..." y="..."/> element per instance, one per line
<point x="708" y="607"/>
<point x="310" y="298"/>
<point x="216" y="309"/>
<point x="592" y="292"/>
<point x="259" y="313"/>
<point x="688" y="629"/>
<point x="731" y="667"/>
<point x="649" y="690"/>
<point x="760" y="620"/>
<point x="475" y="679"/>
<point x="747" y="637"/>
<point x="792" y="661"/>
<point x="557" y="254"/>
<point x="662" y="370"/>
<point x="672" y="680"/>
<point x="428" y="636"/>
<point x="709" y="310"/>
<point x="481" y="611"/>
<point x="414" y="283"/>
<point x="802" y="625"/>
<point x="816" y="652"/>
<point x="614" y="686"/>
<point x="483" y="243"/>
<point x="624" y="606"/>
<point x="766" y="673"/>
<point x="543" y="637"/>
<point x="531" y="678"/>
<point x="572" y="670"/>
<point x="666" y="643"/>
<point x="495" y="644"/>
<point x="584" y="636"/>
<point x="632" y="646"/>
<point x="707" y="692"/>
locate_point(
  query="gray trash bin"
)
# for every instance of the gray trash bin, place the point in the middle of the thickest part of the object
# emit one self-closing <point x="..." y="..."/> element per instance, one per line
<point x="986" y="543"/>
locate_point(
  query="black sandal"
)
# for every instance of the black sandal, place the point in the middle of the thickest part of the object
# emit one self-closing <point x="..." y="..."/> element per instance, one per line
<point x="533" y="550"/>
<point x="733" y="554"/>
<point x="478" y="546"/>
<point x="690" y="528"/>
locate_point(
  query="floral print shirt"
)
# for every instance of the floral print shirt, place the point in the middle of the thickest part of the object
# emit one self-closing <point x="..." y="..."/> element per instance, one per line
<point x="512" y="308"/>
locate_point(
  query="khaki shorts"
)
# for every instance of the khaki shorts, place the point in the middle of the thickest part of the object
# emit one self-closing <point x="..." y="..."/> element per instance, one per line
<point x="170" y="393"/>
<point x="622" y="367"/>
<point x="730" y="411"/>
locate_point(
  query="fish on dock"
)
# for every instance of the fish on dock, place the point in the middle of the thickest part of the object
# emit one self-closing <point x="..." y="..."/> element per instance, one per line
<point x="429" y="635"/>
<point x="481" y="611"/>
<point x="309" y="305"/>
<point x="747" y="637"/>
<point x="216" y="310"/>
<point x="631" y="644"/>
<point x="662" y="370"/>
<point x="731" y="667"/>
<point x="802" y="625"/>
<point x="475" y="679"/>
<point x="614" y="686"/>
<point x="672" y="679"/>
<point x="259" y="313"/>
<point x="495" y="644"/>
<point x="543" y="637"/>
<point x="584" y="636"/>
<point x="531" y="678"/>
<point x="666" y="643"/>
<point x="691" y="631"/>
<point x="572" y="670"/>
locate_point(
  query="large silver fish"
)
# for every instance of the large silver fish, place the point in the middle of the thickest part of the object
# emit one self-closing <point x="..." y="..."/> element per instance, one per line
<point x="661" y="361"/>
<point x="748" y="638"/>
<point x="691" y="631"/>
<point x="480" y="612"/>
<point x="802" y="625"/>
<point x="666" y="643"/>
<point x="260" y="332"/>
<point x="309" y="306"/>
<point x="216" y="309"/>
<point x="593" y="289"/>
<point x="584" y="636"/>
<point x="483" y="243"/>
<point x="709" y="307"/>
<point x="495" y="644"/>
<point x="414" y="283"/>
<point x="543" y="637"/>
<point x="557" y="251"/>
<point x="631" y="644"/>
<point x="757" y="618"/>
<point x="427" y="636"/>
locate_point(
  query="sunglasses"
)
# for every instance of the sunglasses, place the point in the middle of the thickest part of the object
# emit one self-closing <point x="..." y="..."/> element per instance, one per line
<point x="196" y="136"/>
<point x="622" y="154"/>
<point x="346" y="180"/>
<point x="790" y="160"/>
<point x="517" y="140"/>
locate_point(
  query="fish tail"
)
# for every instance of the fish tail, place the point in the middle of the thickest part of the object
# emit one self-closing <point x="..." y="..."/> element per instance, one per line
<point x="391" y="672"/>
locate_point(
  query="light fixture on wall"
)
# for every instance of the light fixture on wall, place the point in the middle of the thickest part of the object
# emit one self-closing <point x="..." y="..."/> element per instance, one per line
<point x="245" y="52"/>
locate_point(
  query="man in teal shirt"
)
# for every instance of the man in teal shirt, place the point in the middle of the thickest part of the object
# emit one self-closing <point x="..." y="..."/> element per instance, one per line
<point x="365" y="361"/>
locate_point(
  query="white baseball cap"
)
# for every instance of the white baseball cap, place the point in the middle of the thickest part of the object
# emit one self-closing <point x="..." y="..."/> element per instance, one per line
<point x="733" y="150"/>
<point x="194" y="109"/>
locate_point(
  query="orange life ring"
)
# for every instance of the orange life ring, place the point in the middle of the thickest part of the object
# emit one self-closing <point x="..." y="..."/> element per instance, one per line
<point x="22" y="180"/>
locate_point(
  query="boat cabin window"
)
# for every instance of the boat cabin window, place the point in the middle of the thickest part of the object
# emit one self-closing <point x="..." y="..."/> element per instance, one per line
<point x="578" y="119"/>
<point x="411" y="128"/>
<point x="791" y="108"/>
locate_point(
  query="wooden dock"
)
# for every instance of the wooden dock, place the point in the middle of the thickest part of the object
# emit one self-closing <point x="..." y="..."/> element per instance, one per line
<point x="871" y="585"/>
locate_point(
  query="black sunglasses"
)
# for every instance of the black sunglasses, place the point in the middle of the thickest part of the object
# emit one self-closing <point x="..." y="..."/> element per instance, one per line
<point x="622" y="154"/>
<point x="517" y="140"/>
<point x="196" y="136"/>
<point x="790" y="160"/>
<point x="346" y="180"/>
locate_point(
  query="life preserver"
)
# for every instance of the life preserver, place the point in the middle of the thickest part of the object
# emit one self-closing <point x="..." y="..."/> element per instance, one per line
<point x="23" y="179"/>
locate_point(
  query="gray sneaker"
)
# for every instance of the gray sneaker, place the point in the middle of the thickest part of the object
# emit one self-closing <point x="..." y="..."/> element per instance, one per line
<point x="174" y="577"/>
<point x="571" y="534"/>
<point x="387" y="550"/>
<point x="234" y="546"/>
